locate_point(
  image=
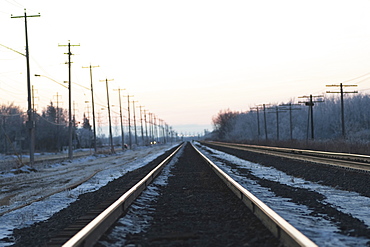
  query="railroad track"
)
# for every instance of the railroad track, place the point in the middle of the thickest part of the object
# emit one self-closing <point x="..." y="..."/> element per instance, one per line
<point x="183" y="226"/>
<point x="345" y="160"/>
<point x="56" y="179"/>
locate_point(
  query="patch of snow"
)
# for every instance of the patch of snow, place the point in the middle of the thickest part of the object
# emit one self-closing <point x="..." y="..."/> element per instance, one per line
<point x="44" y="209"/>
<point x="138" y="216"/>
<point x="319" y="230"/>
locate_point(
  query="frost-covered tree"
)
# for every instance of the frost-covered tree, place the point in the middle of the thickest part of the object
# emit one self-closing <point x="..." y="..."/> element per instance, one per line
<point x="85" y="134"/>
<point x="234" y="126"/>
<point x="13" y="131"/>
<point x="51" y="129"/>
<point x="224" y="123"/>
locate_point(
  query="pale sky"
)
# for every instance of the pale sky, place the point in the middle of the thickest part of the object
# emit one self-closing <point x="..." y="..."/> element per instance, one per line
<point x="186" y="60"/>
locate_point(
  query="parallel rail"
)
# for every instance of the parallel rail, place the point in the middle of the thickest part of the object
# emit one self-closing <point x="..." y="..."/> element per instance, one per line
<point x="346" y="160"/>
<point x="279" y="227"/>
<point x="91" y="233"/>
<point x="285" y="232"/>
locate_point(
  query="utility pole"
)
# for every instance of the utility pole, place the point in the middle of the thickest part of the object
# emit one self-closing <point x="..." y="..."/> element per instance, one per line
<point x="258" y="122"/>
<point x="146" y="128"/>
<point x="311" y="103"/>
<point x="154" y="126"/>
<point x="120" y="116"/>
<point x="170" y="134"/>
<point x="290" y="109"/>
<point x="167" y="133"/>
<point x="135" y="131"/>
<point x="276" y="111"/>
<point x="342" y="103"/>
<point x="58" y="120"/>
<point x="109" y="117"/>
<point x="30" y="124"/>
<point x="92" y="103"/>
<point x="151" y="132"/>
<point x="33" y="100"/>
<point x="129" y="119"/>
<point x="70" y="151"/>
<point x="141" y="124"/>
<point x="264" y="119"/>
<point x="163" y="131"/>
<point x="160" y="130"/>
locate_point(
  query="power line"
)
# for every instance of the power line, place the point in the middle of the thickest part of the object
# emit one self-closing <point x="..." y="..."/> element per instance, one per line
<point x="357" y="78"/>
<point x="7" y="47"/>
<point x="15" y="3"/>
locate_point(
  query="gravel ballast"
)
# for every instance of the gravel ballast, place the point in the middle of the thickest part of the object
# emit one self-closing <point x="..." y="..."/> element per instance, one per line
<point x="341" y="178"/>
<point x="196" y="208"/>
<point x="39" y="234"/>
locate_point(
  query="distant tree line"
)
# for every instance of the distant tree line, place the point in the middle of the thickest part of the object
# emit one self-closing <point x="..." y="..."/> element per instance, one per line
<point x="51" y="130"/>
<point x="290" y="121"/>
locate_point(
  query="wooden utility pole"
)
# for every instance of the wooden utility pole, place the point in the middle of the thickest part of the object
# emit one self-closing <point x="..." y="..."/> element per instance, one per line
<point x="163" y="130"/>
<point x="70" y="151"/>
<point x="135" y="131"/>
<point x="265" y="120"/>
<point x="342" y="103"/>
<point x="290" y="107"/>
<point x="92" y="103"/>
<point x="120" y="116"/>
<point x="310" y="103"/>
<point x="129" y="120"/>
<point x="146" y="128"/>
<point x="109" y="117"/>
<point x="276" y="110"/>
<point x="151" y="130"/>
<point x="58" y="121"/>
<point x="258" y="121"/>
<point x="141" y="124"/>
<point x="30" y="124"/>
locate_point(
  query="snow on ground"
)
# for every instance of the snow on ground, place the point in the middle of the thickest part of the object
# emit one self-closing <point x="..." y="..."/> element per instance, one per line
<point x="319" y="230"/>
<point x="138" y="218"/>
<point x="51" y="183"/>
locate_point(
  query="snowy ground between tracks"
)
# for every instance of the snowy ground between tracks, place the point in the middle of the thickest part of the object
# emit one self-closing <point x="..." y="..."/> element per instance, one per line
<point x="48" y="186"/>
<point x="138" y="218"/>
<point x="318" y="229"/>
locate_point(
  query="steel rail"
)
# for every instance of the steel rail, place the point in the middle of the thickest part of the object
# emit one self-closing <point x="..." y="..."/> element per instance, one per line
<point x="352" y="161"/>
<point x="304" y="151"/>
<point x="91" y="233"/>
<point x="279" y="227"/>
